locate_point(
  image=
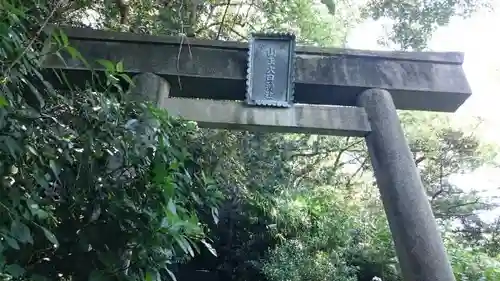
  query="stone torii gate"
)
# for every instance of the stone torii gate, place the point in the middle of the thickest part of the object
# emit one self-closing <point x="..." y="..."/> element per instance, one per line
<point x="301" y="89"/>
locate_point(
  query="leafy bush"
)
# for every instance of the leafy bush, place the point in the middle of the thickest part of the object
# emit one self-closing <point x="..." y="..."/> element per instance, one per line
<point x="294" y="261"/>
<point x="332" y="240"/>
<point x="471" y="264"/>
<point x="95" y="186"/>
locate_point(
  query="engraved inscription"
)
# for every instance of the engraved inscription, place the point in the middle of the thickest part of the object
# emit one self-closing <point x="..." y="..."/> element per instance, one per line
<point x="270" y="81"/>
<point x="270" y="73"/>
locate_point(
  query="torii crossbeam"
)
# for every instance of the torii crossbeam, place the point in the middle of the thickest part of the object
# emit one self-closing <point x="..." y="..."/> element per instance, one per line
<point x="337" y="91"/>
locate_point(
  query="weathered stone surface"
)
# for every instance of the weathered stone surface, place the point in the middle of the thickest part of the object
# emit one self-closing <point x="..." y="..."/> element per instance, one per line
<point x="237" y="115"/>
<point x="417" y="239"/>
<point x="150" y="87"/>
<point x="301" y="118"/>
<point x="216" y="70"/>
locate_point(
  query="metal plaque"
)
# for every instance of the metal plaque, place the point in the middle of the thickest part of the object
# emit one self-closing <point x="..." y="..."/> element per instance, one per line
<point x="271" y="70"/>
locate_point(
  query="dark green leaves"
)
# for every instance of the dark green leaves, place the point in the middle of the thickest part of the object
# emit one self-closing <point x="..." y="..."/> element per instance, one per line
<point x="108" y="65"/>
<point x="97" y="275"/>
<point x="152" y="275"/>
<point x="21" y="232"/>
<point x="83" y="195"/>
<point x="11" y="242"/>
<point x="88" y="193"/>
<point x="50" y="236"/>
<point x="14" y="270"/>
<point x="3" y="102"/>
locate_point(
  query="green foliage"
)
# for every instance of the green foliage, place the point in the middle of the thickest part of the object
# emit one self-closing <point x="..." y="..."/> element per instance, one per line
<point x="306" y="20"/>
<point x="95" y="186"/>
<point x="294" y="261"/>
<point x="413" y="22"/>
<point x="336" y="239"/>
<point x="471" y="264"/>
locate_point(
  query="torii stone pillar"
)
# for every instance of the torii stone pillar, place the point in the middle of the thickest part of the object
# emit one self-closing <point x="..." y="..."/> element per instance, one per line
<point x="419" y="246"/>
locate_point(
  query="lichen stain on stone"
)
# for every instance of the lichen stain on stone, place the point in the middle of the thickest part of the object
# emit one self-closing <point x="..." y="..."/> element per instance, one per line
<point x="248" y="117"/>
<point x="389" y="73"/>
<point x="299" y="115"/>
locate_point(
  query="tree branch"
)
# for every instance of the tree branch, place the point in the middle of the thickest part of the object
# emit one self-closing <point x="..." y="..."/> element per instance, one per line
<point x="36" y="36"/>
<point x="419" y="160"/>
<point x="223" y="19"/>
<point x="358" y="170"/>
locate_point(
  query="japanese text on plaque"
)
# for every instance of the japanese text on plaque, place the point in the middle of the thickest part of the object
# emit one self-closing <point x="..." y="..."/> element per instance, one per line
<point x="270" y="72"/>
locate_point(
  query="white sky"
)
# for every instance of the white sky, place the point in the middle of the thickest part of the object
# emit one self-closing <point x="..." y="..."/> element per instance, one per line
<point x="479" y="38"/>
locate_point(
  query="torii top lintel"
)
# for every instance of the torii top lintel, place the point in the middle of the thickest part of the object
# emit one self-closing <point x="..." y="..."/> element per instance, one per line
<point x="429" y="81"/>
